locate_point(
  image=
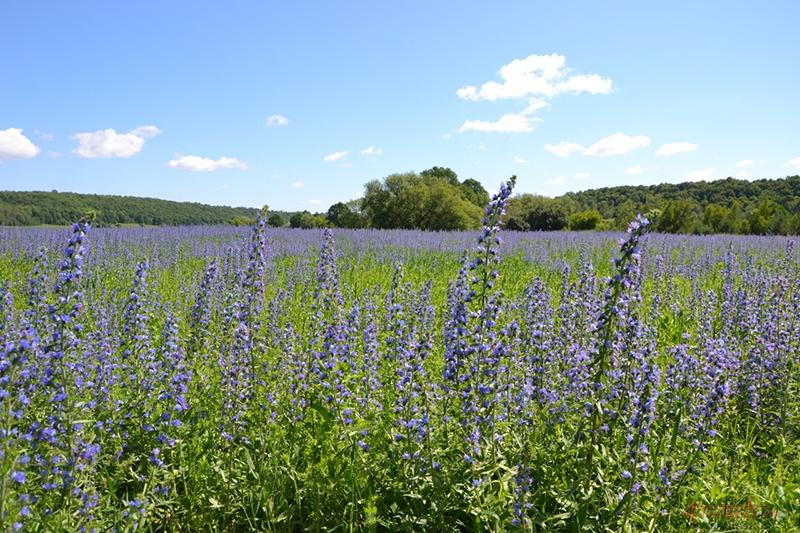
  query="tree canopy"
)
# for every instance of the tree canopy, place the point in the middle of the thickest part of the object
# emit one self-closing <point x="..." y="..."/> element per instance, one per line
<point x="60" y="208"/>
<point x="434" y="199"/>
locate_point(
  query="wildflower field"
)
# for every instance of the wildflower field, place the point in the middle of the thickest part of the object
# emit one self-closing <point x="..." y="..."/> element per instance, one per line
<point x="217" y="379"/>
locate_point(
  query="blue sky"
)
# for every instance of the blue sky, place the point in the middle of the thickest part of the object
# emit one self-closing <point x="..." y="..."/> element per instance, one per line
<point x="298" y="104"/>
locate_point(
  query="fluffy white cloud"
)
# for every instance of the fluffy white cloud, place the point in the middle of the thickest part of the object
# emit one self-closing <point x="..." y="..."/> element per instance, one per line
<point x="586" y="83"/>
<point x="297" y="184"/>
<point x="336" y="156"/>
<point x="520" y="160"/>
<point x="635" y="169"/>
<point x="196" y="163"/>
<point x="277" y="120"/>
<point x="534" y="105"/>
<point x="14" y="145"/>
<point x="562" y="148"/>
<point x="146" y="132"/>
<point x="371" y="151"/>
<point x="676" y="148"/>
<point x="508" y="123"/>
<point x="793" y="163"/>
<point x="536" y="75"/>
<point x="109" y="143"/>
<point x="535" y="78"/>
<point x="744" y="163"/>
<point x="314" y="201"/>
<point x="617" y="144"/>
<point x="707" y="174"/>
<point x="581" y="175"/>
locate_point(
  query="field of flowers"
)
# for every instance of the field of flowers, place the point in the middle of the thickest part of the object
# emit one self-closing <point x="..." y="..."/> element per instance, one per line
<point x="215" y="379"/>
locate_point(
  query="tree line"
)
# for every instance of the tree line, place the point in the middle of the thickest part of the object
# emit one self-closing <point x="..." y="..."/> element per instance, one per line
<point x="436" y="199"/>
<point x="61" y="208"/>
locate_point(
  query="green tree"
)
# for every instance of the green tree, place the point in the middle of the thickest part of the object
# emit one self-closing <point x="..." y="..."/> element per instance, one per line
<point x="429" y="201"/>
<point x="678" y="216"/>
<point x="443" y="173"/>
<point x="536" y="213"/>
<point x="585" y="220"/>
<point x="474" y="192"/>
<point x="341" y="216"/>
<point x="276" y="220"/>
<point x="306" y="220"/>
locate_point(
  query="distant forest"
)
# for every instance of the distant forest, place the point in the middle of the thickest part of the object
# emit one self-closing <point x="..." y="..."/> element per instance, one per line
<point x="435" y="199"/>
<point x="60" y="208"/>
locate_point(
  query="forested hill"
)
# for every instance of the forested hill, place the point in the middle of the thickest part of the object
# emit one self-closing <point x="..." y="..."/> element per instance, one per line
<point x="726" y="192"/>
<point x="436" y="200"/>
<point x="729" y="205"/>
<point x="60" y="208"/>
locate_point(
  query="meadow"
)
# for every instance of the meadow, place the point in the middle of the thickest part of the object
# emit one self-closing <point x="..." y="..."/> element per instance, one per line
<point x="224" y="379"/>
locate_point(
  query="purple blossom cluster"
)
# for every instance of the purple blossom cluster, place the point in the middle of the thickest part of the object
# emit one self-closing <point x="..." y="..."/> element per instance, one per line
<point x="281" y="344"/>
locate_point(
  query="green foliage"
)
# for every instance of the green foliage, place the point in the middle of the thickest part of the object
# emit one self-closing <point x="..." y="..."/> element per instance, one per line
<point x="474" y="192"/>
<point x="242" y="220"/>
<point x="276" y="220"/>
<point x="679" y="216"/>
<point x="340" y="215"/>
<point x="443" y="173"/>
<point x="529" y="212"/>
<point x="585" y="220"/>
<point x="431" y="200"/>
<point x="61" y="208"/>
<point x="723" y="206"/>
<point x="306" y="220"/>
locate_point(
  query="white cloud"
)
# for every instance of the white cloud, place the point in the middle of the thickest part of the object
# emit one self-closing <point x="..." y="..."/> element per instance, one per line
<point x="562" y="148"/>
<point x="536" y="75"/>
<point x="146" y="132"/>
<point x="297" y="184"/>
<point x="534" y="105"/>
<point x="793" y="163"/>
<point x="14" y="145"/>
<point x="372" y="151"/>
<point x="707" y="174"/>
<point x="508" y="123"/>
<point x="581" y="175"/>
<point x="314" y="201"/>
<point x="336" y="156"/>
<point x="635" y="169"/>
<point x="586" y="83"/>
<point x="43" y="135"/>
<point x="536" y="78"/>
<point x="277" y="120"/>
<point x="744" y="163"/>
<point x="109" y="143"/>
<point x="52" y="154"/>
<point x="676" y="148"/>
<point x="617" y="144"/>
<point x="520" y="160"/>
<point x="196" y="163"/>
